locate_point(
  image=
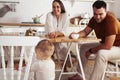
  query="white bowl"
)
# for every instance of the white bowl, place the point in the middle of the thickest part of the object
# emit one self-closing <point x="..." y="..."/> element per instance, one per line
<point x="75" y="36"/>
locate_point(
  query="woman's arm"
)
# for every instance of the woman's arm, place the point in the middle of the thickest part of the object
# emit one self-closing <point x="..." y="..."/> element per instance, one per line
<point x="65" y="21"/>
<point x="49" y="27"/>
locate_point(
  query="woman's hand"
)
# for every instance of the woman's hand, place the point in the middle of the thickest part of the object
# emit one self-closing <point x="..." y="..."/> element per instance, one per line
<point x="55" y="34"/>
<point x="52" y="35"/>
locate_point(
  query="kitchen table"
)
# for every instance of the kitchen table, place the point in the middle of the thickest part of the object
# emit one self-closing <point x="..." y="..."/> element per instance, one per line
<point x="71" y="41"/>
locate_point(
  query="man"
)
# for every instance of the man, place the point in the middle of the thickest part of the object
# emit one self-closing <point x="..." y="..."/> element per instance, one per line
<point x="107" y="28"/>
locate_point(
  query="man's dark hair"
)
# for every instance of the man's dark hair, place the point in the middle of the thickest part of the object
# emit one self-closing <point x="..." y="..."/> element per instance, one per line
<point x="99" y="4"/>
<point x="61" y="5"/>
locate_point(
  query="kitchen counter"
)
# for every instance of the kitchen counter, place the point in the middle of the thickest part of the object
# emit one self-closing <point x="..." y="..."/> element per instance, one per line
<point x="22" y="24"/>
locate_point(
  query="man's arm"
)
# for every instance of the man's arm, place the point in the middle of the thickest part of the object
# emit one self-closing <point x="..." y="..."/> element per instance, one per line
<point x="85" y="32"/>
<point x="107" y="45"/>
<point x="82" y="33"/>
<point x="109" y="40"/>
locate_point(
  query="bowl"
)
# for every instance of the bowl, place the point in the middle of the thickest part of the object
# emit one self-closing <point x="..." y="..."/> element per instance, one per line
<point x="75" y="36"/>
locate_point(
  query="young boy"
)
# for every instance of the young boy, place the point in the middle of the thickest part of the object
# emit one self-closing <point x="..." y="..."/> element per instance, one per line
<point x="43" y="66"/>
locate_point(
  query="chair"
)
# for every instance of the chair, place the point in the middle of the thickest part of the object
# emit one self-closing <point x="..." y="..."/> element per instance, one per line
<point x="115" y="69"/>
<point x="9" y="73"/>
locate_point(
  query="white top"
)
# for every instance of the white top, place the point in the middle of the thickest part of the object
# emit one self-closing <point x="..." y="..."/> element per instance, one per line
<point x="44" y="69"/>
<point x="52" y="25"/>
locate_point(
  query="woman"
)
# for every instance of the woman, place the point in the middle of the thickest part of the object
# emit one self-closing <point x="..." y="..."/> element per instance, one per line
<point x="56" y="25"/>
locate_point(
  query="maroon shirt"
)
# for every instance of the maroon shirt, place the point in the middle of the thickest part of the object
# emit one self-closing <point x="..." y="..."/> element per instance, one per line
<point x="109" y="26"/>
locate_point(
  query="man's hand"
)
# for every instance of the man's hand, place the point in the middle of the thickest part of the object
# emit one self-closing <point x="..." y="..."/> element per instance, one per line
<point x="87" y="54"/>
<point x="71" y="34"/>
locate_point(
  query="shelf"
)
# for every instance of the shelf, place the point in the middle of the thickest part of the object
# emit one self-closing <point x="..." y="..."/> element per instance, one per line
<point x="10" y="2"/>
<point x="20" y="24"/>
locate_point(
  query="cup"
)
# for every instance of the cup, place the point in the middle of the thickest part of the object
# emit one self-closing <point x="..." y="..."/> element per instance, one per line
<point x="75" y="36"/>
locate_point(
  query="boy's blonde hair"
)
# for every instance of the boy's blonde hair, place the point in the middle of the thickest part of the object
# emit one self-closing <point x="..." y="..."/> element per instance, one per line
<point x="45" y="48"/>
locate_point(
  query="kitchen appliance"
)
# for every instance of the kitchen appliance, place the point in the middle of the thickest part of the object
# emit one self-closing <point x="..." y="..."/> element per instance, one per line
<point x="85" y="19"/>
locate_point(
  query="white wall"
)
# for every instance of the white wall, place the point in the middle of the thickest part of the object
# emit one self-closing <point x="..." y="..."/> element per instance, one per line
<point x="27" y="9"/>
<point x="115" y="7"/>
